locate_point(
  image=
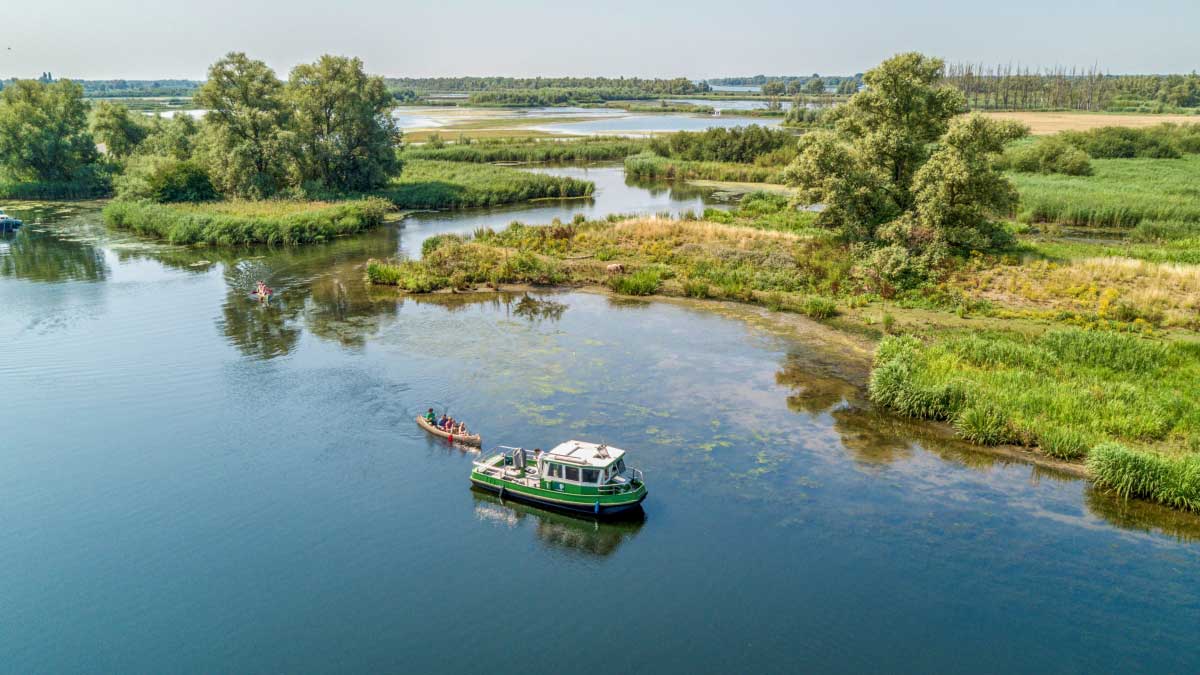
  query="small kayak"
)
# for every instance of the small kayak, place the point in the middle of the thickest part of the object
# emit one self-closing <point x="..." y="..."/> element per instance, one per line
<point x="472" y="440"/>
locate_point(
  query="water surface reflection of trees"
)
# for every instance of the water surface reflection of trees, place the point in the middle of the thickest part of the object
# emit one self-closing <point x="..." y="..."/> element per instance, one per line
<point x="35" y="254"/>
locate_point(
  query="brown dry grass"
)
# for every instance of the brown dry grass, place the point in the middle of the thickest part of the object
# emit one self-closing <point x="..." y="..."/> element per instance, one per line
<point x="1094" y="286"/>
<point x="698" y="231"/>
<point x="1042" y="123"/>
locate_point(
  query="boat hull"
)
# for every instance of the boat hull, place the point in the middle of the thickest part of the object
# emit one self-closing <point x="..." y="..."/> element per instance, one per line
<point x="581" y="504"/>
<point x="473" y="441"/>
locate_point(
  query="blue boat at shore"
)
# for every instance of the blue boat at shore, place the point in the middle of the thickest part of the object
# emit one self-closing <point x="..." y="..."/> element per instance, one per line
<point x="7" y="222"/>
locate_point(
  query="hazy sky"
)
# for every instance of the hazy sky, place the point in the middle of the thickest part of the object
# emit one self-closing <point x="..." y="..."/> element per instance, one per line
<point x="149" y="39"/>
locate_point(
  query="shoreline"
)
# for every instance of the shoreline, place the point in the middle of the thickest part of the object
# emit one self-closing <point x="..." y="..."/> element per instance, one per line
<point x="795" y="326"/>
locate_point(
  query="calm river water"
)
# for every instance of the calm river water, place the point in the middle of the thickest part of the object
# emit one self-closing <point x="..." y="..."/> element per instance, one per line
<point x="191" y="481"/>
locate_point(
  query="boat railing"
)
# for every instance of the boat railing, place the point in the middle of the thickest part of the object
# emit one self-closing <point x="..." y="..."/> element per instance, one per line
<point x="495" y="460"/>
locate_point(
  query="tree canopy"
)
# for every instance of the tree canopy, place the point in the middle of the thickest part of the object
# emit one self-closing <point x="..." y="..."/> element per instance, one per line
<point x="113" y="126"/>
<point x="345" y="136"/>
<point x="903" y="174"/>
<point x="245" y="145"/>
<point x="44" y="131"/>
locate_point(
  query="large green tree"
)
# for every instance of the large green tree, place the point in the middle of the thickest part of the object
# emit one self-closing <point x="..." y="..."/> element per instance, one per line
<point x="344" y="135"/>
<point x="173" y="137"/>
<point x="902" y="176"/>
<point x="44" y="131"/>
<point x="119" y="131"/>
<point x="903" y="110"/>
<point x="245" y="142"/>
<point x="959" y="189"/>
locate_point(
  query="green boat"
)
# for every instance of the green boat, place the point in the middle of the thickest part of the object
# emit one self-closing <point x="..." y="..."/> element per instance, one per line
<point x="575" y="476"/>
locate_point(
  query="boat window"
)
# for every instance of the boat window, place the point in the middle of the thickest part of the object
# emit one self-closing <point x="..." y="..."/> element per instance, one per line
<point x="620" y="466"/>
<point x="591" y="475"/>
<point x="556" y="470"/>
<point x="572" y="473"/>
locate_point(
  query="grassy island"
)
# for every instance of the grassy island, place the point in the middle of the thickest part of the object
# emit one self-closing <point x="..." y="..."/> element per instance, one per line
<point x="523" y="150"/>
<point x="234" y="223"/>
<point x="435" y="184"/>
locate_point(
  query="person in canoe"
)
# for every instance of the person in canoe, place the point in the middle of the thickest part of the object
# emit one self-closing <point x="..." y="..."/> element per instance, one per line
<point x="441" y="423"/>
<point x="431" y="418"/>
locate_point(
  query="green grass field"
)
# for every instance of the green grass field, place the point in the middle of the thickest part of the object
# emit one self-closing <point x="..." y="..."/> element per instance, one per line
<point x="1121" y="193"/>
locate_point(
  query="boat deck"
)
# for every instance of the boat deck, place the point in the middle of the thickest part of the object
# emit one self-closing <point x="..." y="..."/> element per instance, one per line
<point x="496" y="469"/>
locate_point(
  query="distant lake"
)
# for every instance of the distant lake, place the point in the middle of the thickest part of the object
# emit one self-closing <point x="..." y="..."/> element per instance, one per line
<point x="752" y="88"/>
<point x="637" y="125"/>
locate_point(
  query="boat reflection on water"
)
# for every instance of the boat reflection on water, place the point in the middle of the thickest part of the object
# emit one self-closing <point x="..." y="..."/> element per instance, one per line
<point x="575" y="534"/>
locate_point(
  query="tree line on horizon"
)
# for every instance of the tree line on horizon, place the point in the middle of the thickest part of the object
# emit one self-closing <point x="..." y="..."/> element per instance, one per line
<point x="1008" y="87"/>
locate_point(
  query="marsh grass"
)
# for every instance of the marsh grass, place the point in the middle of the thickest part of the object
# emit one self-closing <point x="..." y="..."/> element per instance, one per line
<point x="1120" y="193"/>
<point x="695" y="258"/>
<point x="430" y="184"/>
<point x="1173" y="481"/>
<point x="247" y="222"/>
<point x="1093" y="291"/>
<point x="523" y="150"/>
<point x="652" y="166"/>
<point x="641" y="282"/>
<point x="1065" y="390"/>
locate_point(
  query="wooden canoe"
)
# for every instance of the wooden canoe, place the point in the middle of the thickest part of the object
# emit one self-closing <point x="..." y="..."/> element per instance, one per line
<point x="473" y="440"/>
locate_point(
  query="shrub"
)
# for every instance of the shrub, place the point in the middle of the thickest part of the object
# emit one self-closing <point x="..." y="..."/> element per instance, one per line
<point x="743" y="145"/>
<point x="1048" y="155"/>
<point x="1123" y="143"/>
<point x="984" y="424"/>
<point x="164" y="179"/>
<point x="695" y="288"/>
<point x="1173" y="482"/>
<point x="1063" y="442"/>
<point x="641" y="282"/>
<point x="819" y="307"/>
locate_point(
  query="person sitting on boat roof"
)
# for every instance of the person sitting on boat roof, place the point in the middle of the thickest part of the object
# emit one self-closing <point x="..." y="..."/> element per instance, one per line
<point x="430" y="417"/>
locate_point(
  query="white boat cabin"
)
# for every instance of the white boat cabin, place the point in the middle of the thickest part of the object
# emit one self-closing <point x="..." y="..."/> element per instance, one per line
<point x="582" y="463"/>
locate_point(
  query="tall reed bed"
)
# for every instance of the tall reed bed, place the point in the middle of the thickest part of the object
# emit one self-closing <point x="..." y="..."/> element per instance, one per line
<point x="242" y="222"/>
<point x="432" y="184"/>
<point x="653" y="166"/>
<point x="1173" y="481"/>
<point x="588" y="149"/>
<point x="1120" y="193"/>
<point x="1066" y="391"/>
